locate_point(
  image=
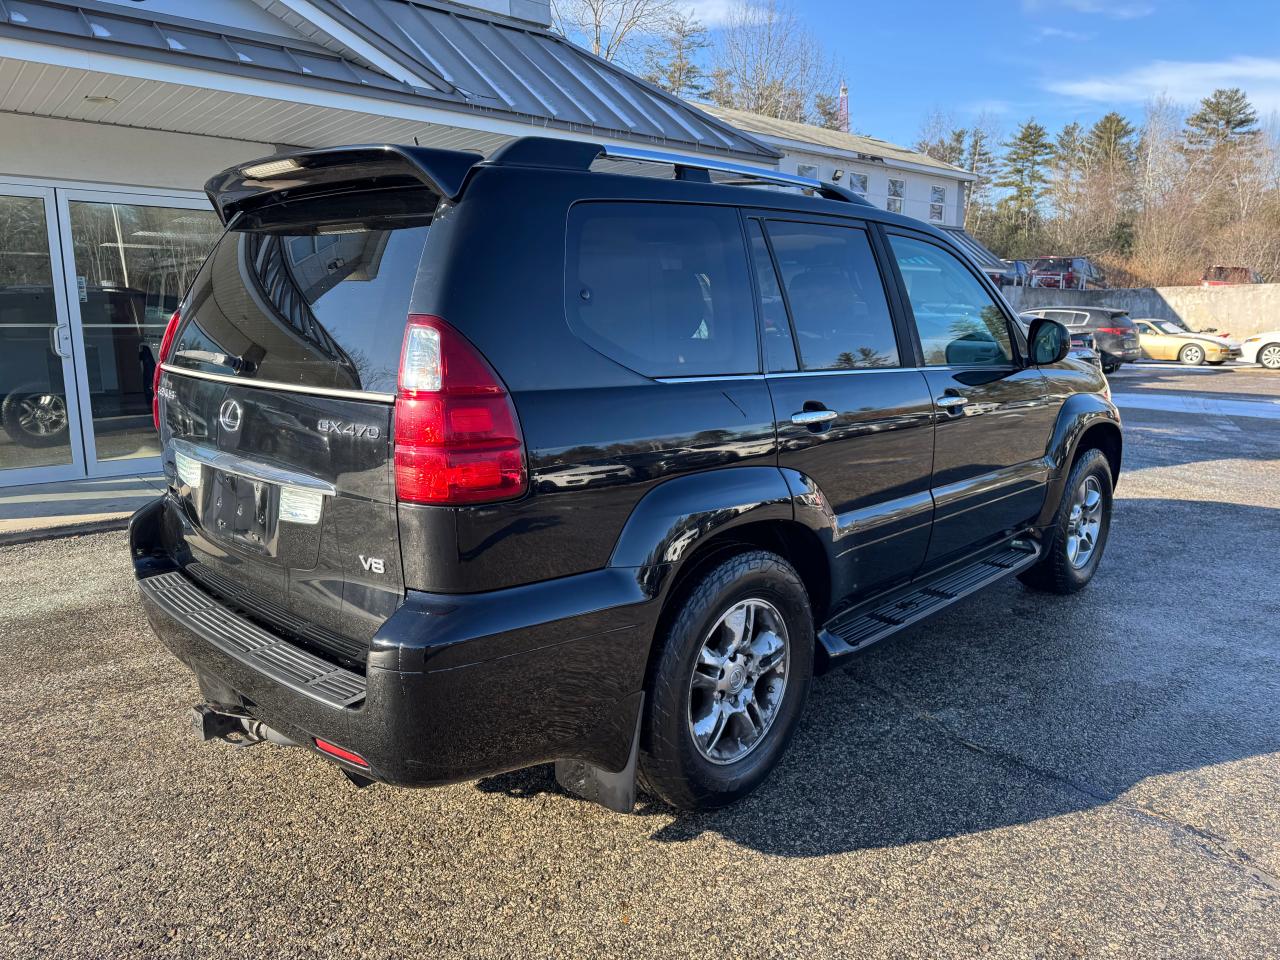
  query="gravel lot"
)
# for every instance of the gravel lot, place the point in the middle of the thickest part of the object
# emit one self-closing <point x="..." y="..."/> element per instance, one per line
<point x="1024" y="776"/>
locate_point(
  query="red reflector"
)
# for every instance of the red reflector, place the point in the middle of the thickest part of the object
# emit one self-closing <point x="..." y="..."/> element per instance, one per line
<point x="166" y="345"/>
<point x="457" y="439"/>
<point x="324" y="746"/>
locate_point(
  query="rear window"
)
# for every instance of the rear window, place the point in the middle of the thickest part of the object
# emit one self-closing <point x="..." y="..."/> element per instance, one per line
<point x="661" y="288"/>
<point x="292" y="298"/>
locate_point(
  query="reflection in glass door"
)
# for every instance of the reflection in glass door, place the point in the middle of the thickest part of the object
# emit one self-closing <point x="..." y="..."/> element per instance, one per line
<point x="130" y="263"/>
<point x="39" y="437"/>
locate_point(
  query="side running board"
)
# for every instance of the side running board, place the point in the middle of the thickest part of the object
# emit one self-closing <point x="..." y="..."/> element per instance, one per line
<point x="852" y="630"/>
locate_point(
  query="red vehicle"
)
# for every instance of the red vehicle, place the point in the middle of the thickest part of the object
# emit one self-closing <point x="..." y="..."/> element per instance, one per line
<point x="1218" y="276"/>
<point x="1067" y="273"/>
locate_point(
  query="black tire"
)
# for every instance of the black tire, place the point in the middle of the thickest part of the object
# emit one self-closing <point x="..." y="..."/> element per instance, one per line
<point x="1110" y="368"/>
<point x="34" y="416"/>
<point x="1055" y="572"/>
<point x="1191" y="355"/>
<point x="671" y="765"/>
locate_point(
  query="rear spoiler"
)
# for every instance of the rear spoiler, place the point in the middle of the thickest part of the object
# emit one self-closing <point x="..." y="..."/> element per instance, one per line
<point x="255" y="184"/>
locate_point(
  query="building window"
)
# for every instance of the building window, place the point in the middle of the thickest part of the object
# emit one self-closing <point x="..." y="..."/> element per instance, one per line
<point x="937" y="203"/>
<point x="807" y="170"/>
<point x="858" y="183"/>
<point x="897" y="191"/>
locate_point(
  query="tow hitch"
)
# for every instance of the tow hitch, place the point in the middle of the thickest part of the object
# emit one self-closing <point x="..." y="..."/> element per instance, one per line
<point x="212" y="722"/>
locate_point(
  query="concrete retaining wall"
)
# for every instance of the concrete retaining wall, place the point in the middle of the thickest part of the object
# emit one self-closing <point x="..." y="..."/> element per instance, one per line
<point x="1240" y="311"/>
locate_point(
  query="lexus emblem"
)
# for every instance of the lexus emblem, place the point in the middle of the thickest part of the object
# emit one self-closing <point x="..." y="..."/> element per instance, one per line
<point x="229" y="415"/>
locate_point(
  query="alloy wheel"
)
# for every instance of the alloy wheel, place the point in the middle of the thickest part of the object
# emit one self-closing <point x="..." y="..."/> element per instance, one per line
<point x="42" y="414"/>
<point x="739" y="681"/>
<point x="1270" y="356"/>
<point x="1192" y="355"/>
<point x="1084" y="524"/>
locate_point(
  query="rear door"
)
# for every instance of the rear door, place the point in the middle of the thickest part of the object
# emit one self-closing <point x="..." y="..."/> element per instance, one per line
<point x="994" y="414"/>
<point x="853" y="415"/>
<point x="277" y="415"/>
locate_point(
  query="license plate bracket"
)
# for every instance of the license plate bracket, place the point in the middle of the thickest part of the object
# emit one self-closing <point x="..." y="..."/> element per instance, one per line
<point x="243" y="510"/>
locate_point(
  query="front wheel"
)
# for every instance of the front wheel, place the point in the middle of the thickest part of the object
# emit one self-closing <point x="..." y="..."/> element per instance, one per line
<point x="1191" y="355"/>
<point x="1269" y="356"/>
<point x="729" y="683"/>
<point x="1074" y="543"/>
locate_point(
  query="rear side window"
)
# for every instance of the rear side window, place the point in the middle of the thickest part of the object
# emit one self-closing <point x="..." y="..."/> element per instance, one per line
<point x="307" y="302"/>
<point x="662" y="288"/>
<point x="838" y="305"/>
<point x="958" y="321"/>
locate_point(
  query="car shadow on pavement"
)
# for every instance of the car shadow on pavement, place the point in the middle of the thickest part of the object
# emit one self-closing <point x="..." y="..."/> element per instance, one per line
<point x="1017" y="706"/>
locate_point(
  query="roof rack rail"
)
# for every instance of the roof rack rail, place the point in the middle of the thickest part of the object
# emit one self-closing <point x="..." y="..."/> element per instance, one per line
<point x="685" y="165"/>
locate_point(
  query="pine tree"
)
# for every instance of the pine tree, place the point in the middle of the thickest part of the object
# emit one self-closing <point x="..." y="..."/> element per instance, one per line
<point x="826" y="111"/>
<point x="1110" y="145"/>
<point x="1025" y="173"/>
<point x="1225" y="117"/>
<point x="980" y="161"/>
<point x="671" y="59"/>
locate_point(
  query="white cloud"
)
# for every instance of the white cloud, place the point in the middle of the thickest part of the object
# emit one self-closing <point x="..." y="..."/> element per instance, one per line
<point x="1057" y="33"/>
<point x="712" y="13"/>
<point x="1115" y="9"/>
<point x="1183" y="82"/>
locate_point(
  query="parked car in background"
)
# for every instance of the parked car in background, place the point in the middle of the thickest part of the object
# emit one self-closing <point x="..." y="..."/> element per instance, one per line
<point x="1167" y="340"/>
<point x="1262" y="349"/>
<point x="1219" y="276"/>
<point x="1017" y="273"/>
<point x="801" y="424"/>
<point x="1067" y="273"/>
<point x="1115" y="337"/>
<point x="1083" y="346"/>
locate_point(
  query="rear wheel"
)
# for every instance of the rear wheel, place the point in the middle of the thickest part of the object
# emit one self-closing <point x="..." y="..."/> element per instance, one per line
<point x="729" y="683"/>
<point x="35" y="417"/>
<point x="1192" y="355"/>
<point x="1073" y="545"/>
<point x="1269" y="356"/>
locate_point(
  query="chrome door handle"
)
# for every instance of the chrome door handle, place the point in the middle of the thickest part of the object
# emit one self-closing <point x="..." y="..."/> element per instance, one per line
<point x="948" y="403"/>
<point x="807" y="418"/>
<point x="56" y="343"/>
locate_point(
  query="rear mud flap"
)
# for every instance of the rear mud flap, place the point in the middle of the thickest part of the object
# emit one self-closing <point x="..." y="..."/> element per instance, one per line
<point x="614" y="791"/>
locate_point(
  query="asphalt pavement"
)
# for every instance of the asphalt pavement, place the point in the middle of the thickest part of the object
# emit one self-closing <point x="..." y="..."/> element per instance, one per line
<point x="1022" y="776"/>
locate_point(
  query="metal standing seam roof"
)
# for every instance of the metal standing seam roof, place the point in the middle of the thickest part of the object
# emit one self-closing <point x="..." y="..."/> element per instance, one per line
<point x="473" y="61"/>
<point x="984" y="257"/>
<point x="110" y="27"/>
<point x="513" y="67"/>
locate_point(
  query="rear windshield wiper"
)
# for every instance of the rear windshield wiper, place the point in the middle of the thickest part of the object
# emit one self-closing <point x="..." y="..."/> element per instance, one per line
<point x="238" y="364"/>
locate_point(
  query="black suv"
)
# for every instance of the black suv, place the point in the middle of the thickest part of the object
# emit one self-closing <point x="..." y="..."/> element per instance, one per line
<point x="479" y="464"/>
<point x="1114" y="333"/>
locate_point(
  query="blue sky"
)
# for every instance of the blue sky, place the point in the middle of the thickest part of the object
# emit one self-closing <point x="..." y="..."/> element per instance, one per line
<point x="1057" y="60"/>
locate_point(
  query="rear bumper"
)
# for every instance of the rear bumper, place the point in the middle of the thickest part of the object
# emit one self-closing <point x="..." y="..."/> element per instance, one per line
<point x="455" y="687"/>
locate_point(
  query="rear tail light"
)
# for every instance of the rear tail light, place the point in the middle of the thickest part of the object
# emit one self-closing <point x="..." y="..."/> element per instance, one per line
<point x="333" y="750"/>
<point x="166" y="346"/>
<point x="457" y="439"/>
<point x="1118" y="331"/>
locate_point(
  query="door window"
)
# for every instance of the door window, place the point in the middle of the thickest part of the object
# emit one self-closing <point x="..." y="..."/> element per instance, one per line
<point x="958" y="321"/>
<point x="34" y="414"/>
<point x="662" y="288"/>
<point x="838" y="306"/>
<point x="133" y="263"/>
<point x="779" y="349"/>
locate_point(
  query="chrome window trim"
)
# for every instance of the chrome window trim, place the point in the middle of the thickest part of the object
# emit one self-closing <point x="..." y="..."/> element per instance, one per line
<point x="231" y="463"/>
<point x="714" y="378"/>
<point x="277" y="385"/>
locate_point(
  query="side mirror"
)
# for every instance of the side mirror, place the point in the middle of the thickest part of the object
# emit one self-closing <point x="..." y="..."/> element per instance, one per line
<point x="1050" y="342"/>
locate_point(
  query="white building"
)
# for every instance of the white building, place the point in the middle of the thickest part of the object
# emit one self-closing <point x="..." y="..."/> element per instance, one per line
<point x="113" y="114"/>
<point x="890" y="176"/>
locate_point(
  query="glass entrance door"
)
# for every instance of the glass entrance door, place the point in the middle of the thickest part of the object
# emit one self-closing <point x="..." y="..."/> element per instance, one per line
<point x="39" y="420"/>
<point x="130" y="258"/>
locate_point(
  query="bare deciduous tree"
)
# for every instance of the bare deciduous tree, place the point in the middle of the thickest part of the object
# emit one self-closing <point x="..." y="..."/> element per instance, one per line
<point x="767" y="61"/>
<point x="612" y="29"/>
